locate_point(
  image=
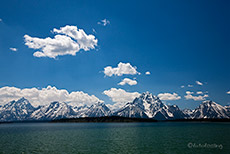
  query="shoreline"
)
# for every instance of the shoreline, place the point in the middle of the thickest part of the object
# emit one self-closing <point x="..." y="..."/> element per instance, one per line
<point x="113" y="119"/>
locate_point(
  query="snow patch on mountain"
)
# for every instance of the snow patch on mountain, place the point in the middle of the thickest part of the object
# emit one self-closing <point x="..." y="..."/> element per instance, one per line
<point x="144" y="106"/>
<point x="210" y="110"/>
<point x="149" y="106"/>
<point x="16" y="110"/>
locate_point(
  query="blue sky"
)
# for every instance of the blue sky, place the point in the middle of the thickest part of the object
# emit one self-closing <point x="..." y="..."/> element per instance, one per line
<point x="178" y="42"/>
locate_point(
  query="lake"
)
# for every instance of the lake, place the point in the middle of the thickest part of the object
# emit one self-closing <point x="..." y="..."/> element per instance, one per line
<point x="157" y="137"/>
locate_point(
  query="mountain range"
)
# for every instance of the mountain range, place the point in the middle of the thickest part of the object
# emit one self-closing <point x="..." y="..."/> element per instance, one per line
<point x="145" y="106"/>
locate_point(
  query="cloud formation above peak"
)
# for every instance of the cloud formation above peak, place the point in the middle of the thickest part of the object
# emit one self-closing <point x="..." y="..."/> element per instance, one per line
<point x="189" y="95"/>
<point x="46" y="95"/>
<point x="121" y="69"/>
<point x="120" y="95"/>
<point x="68" y="41"/>
<point x="127" y="81"/>
<point x="169" y="96"/>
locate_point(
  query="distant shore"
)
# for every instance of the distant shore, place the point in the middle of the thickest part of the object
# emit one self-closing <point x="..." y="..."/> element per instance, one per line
<point x="114" y="119"/>
<point x="126" y="119"/>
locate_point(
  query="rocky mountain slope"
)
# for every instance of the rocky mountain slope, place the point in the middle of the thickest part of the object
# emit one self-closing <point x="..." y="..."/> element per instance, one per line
<point x="150" y="106"/>
<point x="145" y="106"/>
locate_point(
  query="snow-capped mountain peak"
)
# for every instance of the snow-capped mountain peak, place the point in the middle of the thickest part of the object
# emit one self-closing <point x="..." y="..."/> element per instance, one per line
<point x="148" y="97"/>
<point x="54" y="110"/>
<point x="16" y="110"/>
<point x="98" y="109"/>
<point x="145" y="106"/>
<point x="188" y="112"/>
<point x="209" y="109"/>
<point x="149" y="106"/>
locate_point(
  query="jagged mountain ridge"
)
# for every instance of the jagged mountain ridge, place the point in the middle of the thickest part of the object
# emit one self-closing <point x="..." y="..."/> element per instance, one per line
<point x="150" y="106"/>
<point x="210" y="110"/>
<point x="22" y="110"/>
<point x="144" y="106"/>
<point x="16" y="110"/>
<point x="54" y="110"/>
<point x="97" y="110"/>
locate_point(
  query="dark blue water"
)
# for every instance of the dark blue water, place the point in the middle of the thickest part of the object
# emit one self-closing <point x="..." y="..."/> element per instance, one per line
<point x="160" y="137"/>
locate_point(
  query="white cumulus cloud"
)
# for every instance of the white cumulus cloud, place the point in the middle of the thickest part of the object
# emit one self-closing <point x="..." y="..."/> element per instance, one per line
<point x="189" y="95"/>
<point x="169" y="96"/>
<point x="199" y="92"/>
<point x="121" y="69"/>
<point x="103" y="22"/>
<point x="120" y="97"/>
<point x="199" y="83"/>
<point x="0" y="20"/>
<point x="115" y="106"/>
<point x="13" y="49"/>
<point x="46" y="95"/>
<point x="189" y="92"/>
<point x="128" y="81"/>
<point x="190" y="85"/>
<point x="147" y="73"/>
<point x="86" y="42"/>
<point x="71" y="41"/>
<point x="228" y="92"/>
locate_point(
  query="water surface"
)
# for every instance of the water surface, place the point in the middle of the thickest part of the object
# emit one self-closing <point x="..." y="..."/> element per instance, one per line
<point x="158" y="137"/>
